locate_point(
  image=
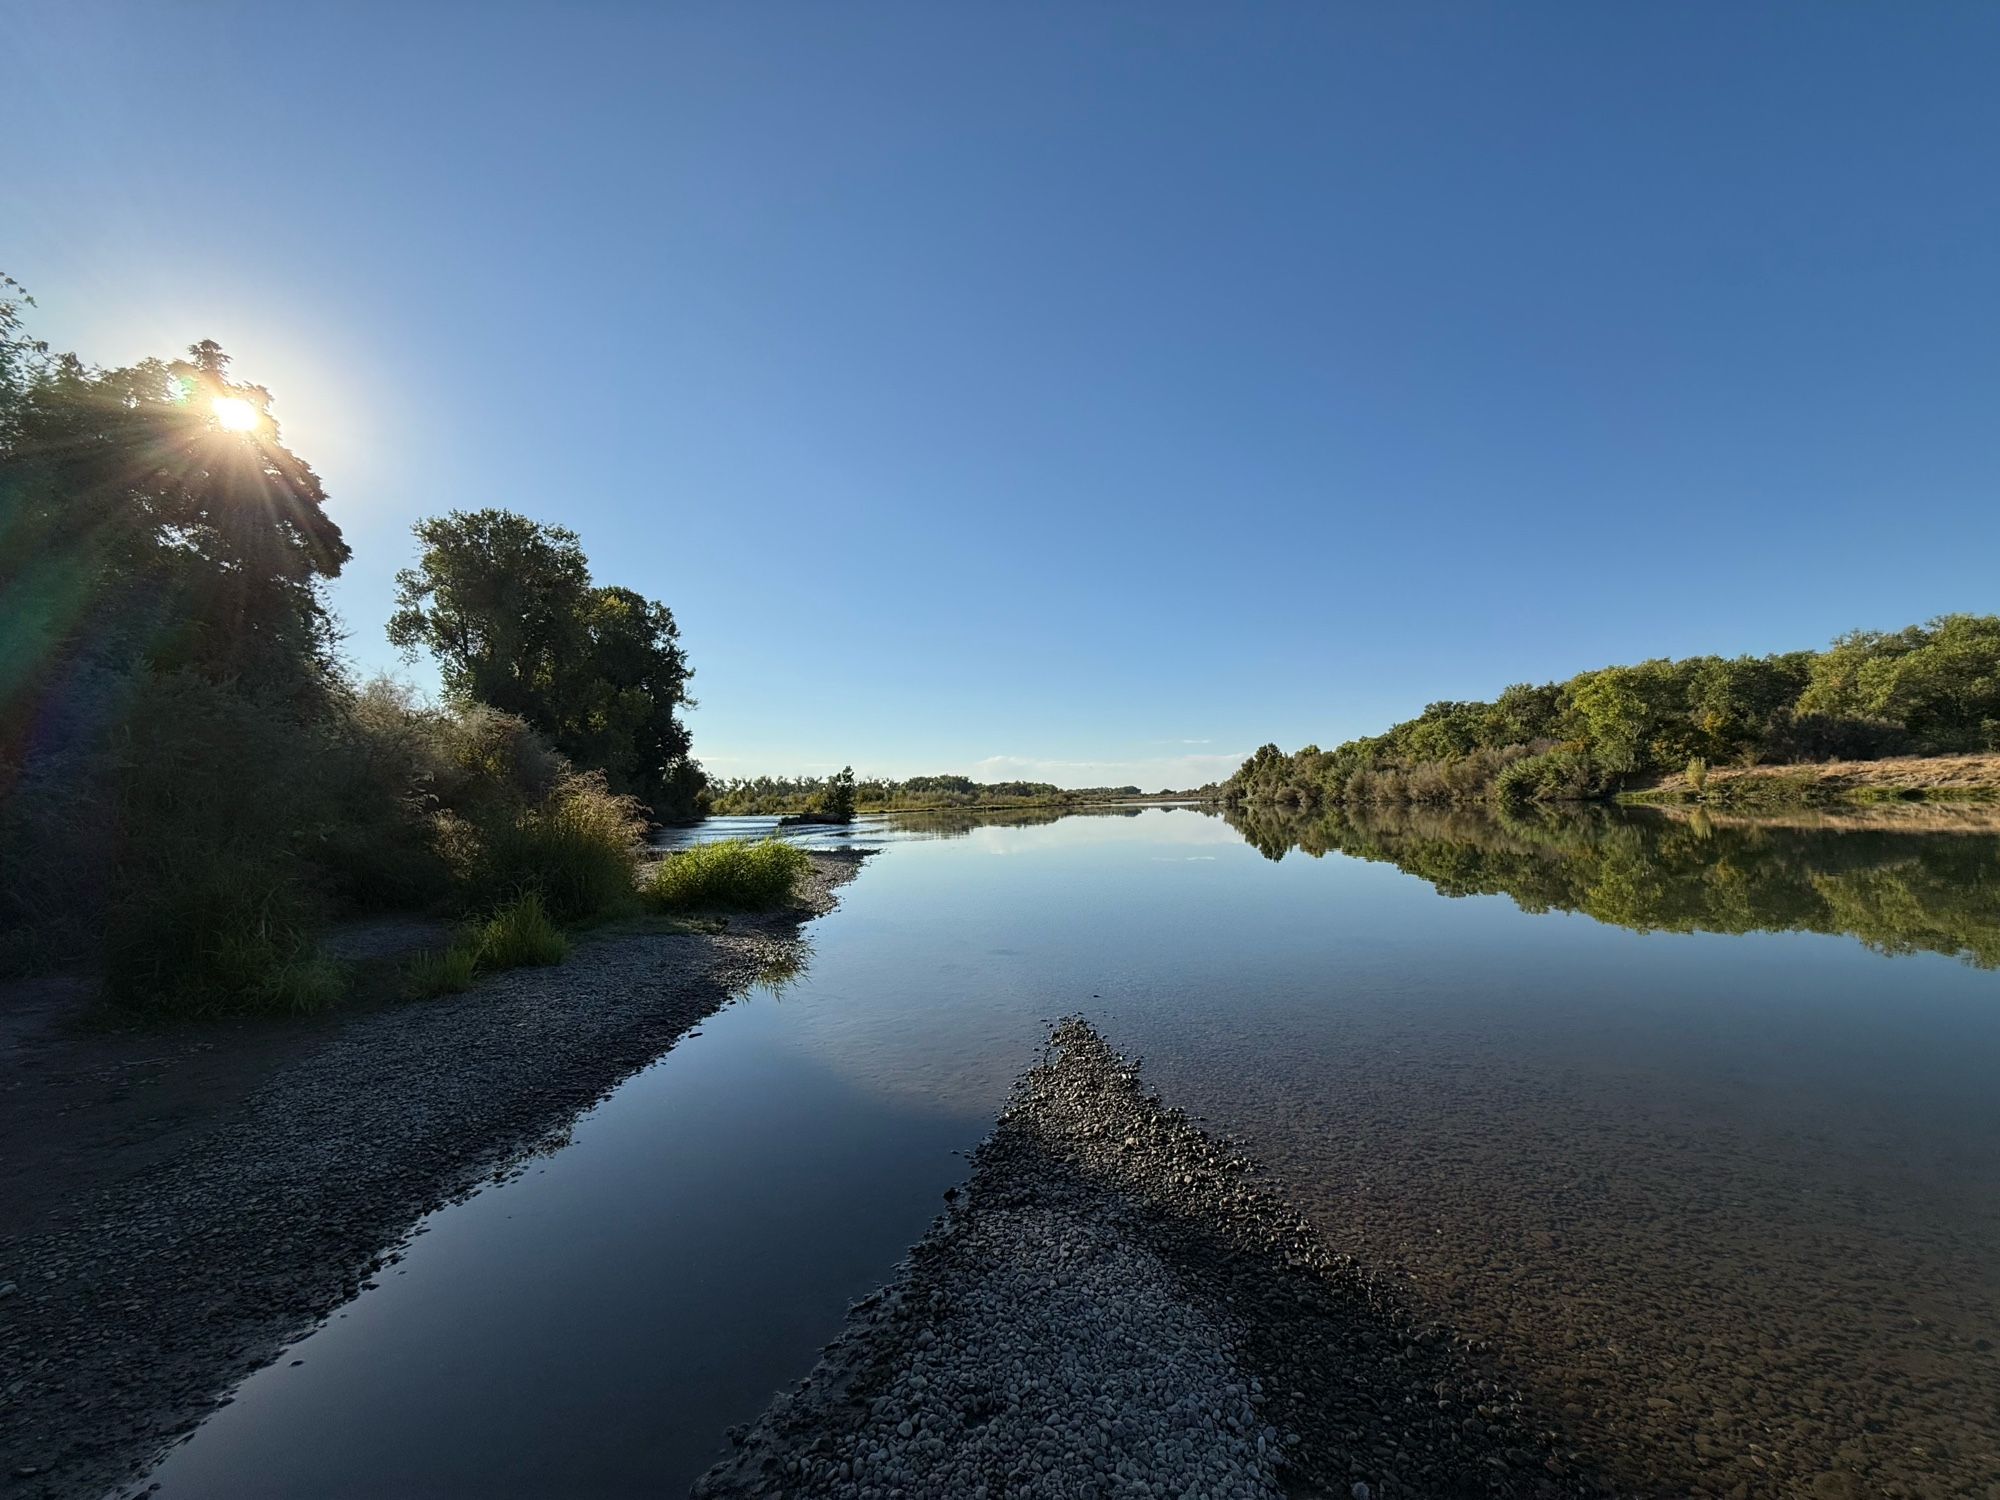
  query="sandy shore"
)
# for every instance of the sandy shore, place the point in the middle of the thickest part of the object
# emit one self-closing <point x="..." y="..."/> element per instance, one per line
<point x="252" y="1177"/>
<point x="1118" y="1304"/>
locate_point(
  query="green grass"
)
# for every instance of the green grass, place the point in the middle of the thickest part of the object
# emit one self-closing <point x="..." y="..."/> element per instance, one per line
<point x="448" y="973"/>
<point x="519" y="935"/>
<point x="739" y="873"/>
<point x="578" y="850"/>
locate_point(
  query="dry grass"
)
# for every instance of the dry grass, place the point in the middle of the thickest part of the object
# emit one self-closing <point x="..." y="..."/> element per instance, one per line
<point x="1908" y="778"/>
<point x="1898" y="816"/>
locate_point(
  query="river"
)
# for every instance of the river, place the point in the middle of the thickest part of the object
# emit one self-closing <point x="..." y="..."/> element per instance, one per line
<point x="1695" y="1123"/>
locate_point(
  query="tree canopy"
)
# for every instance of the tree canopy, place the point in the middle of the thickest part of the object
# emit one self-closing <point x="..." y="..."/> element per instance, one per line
<point x="508" y="608"/>
<point x="151" y="519"/>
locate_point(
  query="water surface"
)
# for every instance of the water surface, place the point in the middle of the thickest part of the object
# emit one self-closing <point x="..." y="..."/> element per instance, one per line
<point x="1694" y="1123"/>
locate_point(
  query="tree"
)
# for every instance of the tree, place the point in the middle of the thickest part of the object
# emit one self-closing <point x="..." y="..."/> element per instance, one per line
<point x="836" y="798"/>
<point x="500" y="601"/>
<point x="1940" y="681"/>
<point x="508" y="608"/>
<point x="1523" y="714"/>
<point x="629" y="703"/>
<point x="1735" y="704"/>
<point x="153" y="520"/>
<point x="168" y="687"/>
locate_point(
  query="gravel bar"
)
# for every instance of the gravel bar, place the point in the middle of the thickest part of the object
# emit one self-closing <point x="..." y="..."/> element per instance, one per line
<point x="1118" y="1304"/>
<point x="123" y="1328"/>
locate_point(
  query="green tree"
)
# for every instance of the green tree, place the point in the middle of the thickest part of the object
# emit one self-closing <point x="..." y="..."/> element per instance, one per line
<point x="1523" y="714"/>
<point x="152" y="519"/>
<point x="167" y="679"/>
<point x="1940" y="681"/>
<point x="1615" y="715"/>
<point x="836" y="798"/>
<point x="508" y="608"/>
<point x="1444" y="731"/>
<point x="501" y="602"/>
<point x="1734" y="704"/>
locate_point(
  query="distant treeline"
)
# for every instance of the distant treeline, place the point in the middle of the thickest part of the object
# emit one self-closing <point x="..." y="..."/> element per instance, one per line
<point x="1928" y="690"/>
<point x="796" y="794"/>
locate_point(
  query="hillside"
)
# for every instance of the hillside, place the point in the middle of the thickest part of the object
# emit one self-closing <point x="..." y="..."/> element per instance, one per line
<point x="1923" y="692"/>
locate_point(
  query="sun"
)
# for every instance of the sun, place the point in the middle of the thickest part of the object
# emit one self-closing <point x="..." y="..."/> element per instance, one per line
<point x="234" y="413"/>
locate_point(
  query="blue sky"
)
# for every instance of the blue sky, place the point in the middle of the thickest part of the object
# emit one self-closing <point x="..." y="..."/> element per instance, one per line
<point x="1090" y="392"/>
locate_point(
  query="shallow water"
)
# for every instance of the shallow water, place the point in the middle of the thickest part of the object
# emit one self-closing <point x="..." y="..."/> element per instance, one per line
<point x="1726" y="1201"/>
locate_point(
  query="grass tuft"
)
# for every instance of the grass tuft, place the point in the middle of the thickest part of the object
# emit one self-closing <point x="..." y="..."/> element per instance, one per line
<point x="448" y="973"/>
<point x="731" y="872"/>
<point x="520" y="935"/>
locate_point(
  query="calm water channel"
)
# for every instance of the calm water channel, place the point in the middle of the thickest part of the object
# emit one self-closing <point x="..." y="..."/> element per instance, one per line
<point x="1697" y="1124"/>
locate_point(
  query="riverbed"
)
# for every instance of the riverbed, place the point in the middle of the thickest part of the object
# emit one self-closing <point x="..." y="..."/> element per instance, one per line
<point x="1694" y="1130"/>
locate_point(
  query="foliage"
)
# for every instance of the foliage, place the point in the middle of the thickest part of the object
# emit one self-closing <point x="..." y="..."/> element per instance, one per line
<point x="521" y="934"/>
<point x="207" y="902"/>
<point x="798" y="794"/>
<point x="1939" y="682"/>
<point x="1560" y="774"/>
<point x="449" y="972"/>
<point x="836" y="798"/>
<point x="1932" y="689"/>
<point x="508" y="608"/>
<point x="138" y="534"/>
<point x="166" y="678"/>
<point x="189" y="785"/>
<point x="730" y="872"/>
<point x="1896" y="891"/>
<point x="575" y="850"/>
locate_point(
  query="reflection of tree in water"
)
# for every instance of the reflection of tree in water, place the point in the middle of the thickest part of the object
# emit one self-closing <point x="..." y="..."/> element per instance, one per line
<point x="1896" y="890"/>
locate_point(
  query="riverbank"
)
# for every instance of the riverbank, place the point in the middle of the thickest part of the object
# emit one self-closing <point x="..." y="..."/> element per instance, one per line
<point x="1119" y="1304"/>
<point x="197" y="1228"/>
<point x="1926" y="778"/>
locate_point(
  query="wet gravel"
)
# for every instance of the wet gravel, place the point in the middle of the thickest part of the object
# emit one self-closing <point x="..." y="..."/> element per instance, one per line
<point x="1119" y="1304"/>
<point x="126" y="1326"/>
<point x="1715" y="1295"/>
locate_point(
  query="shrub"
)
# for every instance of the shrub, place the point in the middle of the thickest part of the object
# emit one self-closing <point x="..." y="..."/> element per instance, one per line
<point x="482" y="763"/>
<point x="1815" y="737"/>
<point x="1564" y="774"/>
<point x="209" y="902"/>
<point x="1697" y="775"/>
<point x="730" y="872"/>
<point x="836" y="798"/>
<point x="576" y="850"/>
<point x="448" y="973"/>
<point x="519" y="935"/>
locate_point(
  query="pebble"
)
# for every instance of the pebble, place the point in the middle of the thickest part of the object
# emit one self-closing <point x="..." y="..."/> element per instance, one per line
<point x="1116" y="1305"/>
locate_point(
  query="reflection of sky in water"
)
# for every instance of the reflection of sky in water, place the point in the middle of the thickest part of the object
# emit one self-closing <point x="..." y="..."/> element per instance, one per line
<point x="596" y="1324"/>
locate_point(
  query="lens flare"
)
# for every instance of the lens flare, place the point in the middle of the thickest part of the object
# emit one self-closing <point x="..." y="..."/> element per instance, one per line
<point x="234" y="413"/>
